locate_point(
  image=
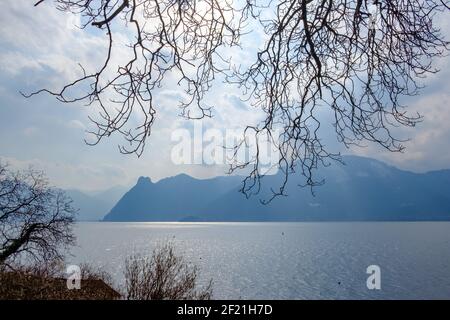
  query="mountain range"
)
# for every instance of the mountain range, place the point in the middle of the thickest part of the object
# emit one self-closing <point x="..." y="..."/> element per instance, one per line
<point x="361" y="189"/>
<point x="94" y="205"/>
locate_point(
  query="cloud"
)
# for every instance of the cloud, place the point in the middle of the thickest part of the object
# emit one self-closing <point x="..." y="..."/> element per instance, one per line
<point x="15" y="63"/>
<point x="30" y="131"/>
<point x="428" y="143"/>
<point x="41" y="47"/>
<point x="76" y="124"/>
<point x="68" y="176"/>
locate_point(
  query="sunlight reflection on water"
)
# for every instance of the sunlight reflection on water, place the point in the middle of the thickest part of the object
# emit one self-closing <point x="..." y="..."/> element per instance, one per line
<point x="287" y="260"/>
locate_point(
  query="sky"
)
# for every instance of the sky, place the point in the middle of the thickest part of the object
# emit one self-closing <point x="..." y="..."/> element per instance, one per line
<point x="41" y="48"/>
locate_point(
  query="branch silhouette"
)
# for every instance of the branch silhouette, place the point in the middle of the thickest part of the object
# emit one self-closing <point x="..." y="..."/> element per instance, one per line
<point x="356" y="59"/>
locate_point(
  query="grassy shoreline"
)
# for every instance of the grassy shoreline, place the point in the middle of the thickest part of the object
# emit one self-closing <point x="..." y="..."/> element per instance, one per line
<point x="18" y="285"/>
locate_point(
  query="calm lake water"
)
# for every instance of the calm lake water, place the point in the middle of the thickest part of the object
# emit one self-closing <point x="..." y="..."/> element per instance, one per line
<point x="288" y="260"/>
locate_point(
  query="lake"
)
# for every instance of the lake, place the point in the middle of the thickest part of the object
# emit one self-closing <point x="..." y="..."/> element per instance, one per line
<point x="287" y="260"/>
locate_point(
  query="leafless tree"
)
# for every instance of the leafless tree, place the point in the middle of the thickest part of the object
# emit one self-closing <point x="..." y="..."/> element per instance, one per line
<point x="176" y="36"/>
<point x="355" y="59"/>
<point x="164" y="275"/>
<point x="35" y="220"/>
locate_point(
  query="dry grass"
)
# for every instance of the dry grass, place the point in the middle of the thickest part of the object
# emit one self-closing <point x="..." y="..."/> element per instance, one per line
<point x="18" y="285"/>
<point x="164" y="275"/>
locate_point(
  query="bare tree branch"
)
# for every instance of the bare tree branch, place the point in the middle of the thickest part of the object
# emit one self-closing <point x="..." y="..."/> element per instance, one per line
<point x="35" y="220"/>
<point x="354" y="59"/>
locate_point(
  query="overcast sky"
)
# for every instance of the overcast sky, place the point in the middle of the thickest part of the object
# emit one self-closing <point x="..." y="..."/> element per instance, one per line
<point x="40" y="47"/>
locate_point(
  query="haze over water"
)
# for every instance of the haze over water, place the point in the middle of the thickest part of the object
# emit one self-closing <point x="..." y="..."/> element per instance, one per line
<point x="288" y="260"/>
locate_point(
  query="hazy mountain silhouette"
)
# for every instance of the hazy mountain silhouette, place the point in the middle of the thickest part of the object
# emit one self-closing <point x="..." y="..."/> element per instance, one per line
<point x="363" y="189"/>
<point x="93" y="206"/>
